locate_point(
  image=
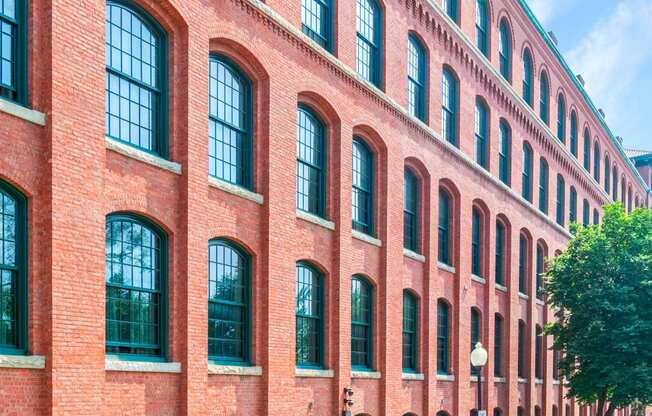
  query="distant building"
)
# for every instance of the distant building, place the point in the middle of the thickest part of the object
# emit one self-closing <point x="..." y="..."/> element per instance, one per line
<point x="642" y="159"/>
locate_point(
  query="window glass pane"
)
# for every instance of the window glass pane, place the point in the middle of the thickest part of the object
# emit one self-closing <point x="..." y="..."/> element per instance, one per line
<point x="443" y="341"/>
<point x="561" y="119"/>
<point x="504" y="51"/>
<point x="527" y="173"/>
<point x="527" y="78"/>
<point x="444" y="228"/>
<point x="522" y="264"/>
<point x="315" y="21"/>
<point x="416" y="78"/>
<point x="481" y="26"/>
<point x="310" y="159"/>
<point x="544" y="112"/>
<point x="573" y="134"/>
<point x="475" y="335"/>
<point x="308" y="317"/>
<point x="561" y="200"/>
<point x="481" y="133"/>
<point x="361" y="329"/>
<point x="8" y="271"/>
<point x="368" y="35"/>
<point x="449" y="107"/>
<point x="543" y="186"/>
<point x="476" y="243"/>
<point x="450" y="6"/>
<point x="410" y="211"/>
<point x="410" y="325"/>
<point x="500" y="253"/>
<point x="498" y="347"/>
<point x="362" y="188"/>
<point x="504" y="154"/>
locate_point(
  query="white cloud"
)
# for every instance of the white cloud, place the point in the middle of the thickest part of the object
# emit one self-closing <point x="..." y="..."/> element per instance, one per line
<point x="544" y="10"/>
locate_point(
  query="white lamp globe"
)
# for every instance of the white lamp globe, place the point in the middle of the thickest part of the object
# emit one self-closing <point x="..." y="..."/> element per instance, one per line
<point x="478" y="356"/>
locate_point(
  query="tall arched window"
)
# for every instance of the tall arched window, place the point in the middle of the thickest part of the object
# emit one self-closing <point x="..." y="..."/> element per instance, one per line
<point x="505" y="50"/>
<point x="416" y="82"/>
<point x="523" y="256"/>
<point x="481" y="132"/>
<point x="229" y="119"/>
<point x="623" y="185"/>
<point x="521" y="349"/>
<point x="596" y="216"/>
<point x="482" y="26"/>
<point x="445" y="206"/>
<point x="572" y="217"/>
<point x="228" y="302"/>
<point x="443" y="337"/>
<point x="587" y="150"/>
<point x="410" y="211"/>
<point x="475" y="335"/>
<point x="369" y="38"/>
<point x="476" y="243"/>
<point x="573" y="134"/>
<point x="596" y="161"/>
<point x="410" y="332"/>
<point x="629" y="200"/>
<point x="607" y="176"/>
<point x="451" y="9"/>
<point x="316" y="21"/>
<point x="501" y="244"/>
<point x="361" y="323"/>
<point x="586" y="213"/>
<point x="13" y="50"/>
<point x="555" y="364"/>
<point x="561" y="118"/>
<point x="363" y="179"/>
<point x="527" y="77"/>
<point x="13" y="270"/>
<point x="543" y="185"/>
<point x="309" y="317"/>
<point x="544" y="98"/>
<point x="136" y="286"/>
<point x="561" y="200"/>
<point x="505" y="153"/>
<point x="498" y="345"/>
<point x="537" y="411"/>
<point x="311" y="157"/>
<point x="136" y="80"/>
<point x="449" y="93"/>
<point x="538" y="354"/>
<point x="526" y="191"/>
<point x="614" y="182"/>
<point x="540" y="270"/>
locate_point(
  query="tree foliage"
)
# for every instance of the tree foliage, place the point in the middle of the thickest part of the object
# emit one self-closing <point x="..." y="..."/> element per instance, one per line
<point x="601" y="288"/>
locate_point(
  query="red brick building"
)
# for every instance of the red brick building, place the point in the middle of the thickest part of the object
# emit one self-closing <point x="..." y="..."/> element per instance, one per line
<point x="243" y="208"/>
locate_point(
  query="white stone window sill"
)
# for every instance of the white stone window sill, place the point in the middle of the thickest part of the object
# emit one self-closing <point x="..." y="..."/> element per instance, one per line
<point x="540" y="302"/>
<point x="500" y="380"/>
<point x="310" y="373"/>
<point x="445" y="377"/>
<point x="478" y="279"/>
<point x="21" y="112"/>
<point x="446" y="267"/>
<point x="522" y="380"/>
<point x="501" y="288"/>
<point x="366" y="238"/>
<point x="375" y="375"/>
<point x="555" y="382"/>
<point x="523" y="296"/>
<point x="36" y="362"/>
<point x="311" y="218"/>
<point x="538" y="381"/>
<point x="235" y="370"/>
<point x="116" y="364"/>
<point x="414" y="255"/>
<point x="135" y="153"/>
<point x="235" y="190"/>
<point x="413" y="376"/>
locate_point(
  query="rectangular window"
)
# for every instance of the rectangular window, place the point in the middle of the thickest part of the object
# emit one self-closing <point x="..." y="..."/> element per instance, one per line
<point x="476" y="246"/>
<point x="368" y="41"/>
<point x="309" y="321"/>
<point x="475" y="336"/>
<point x="13" y="51"/>
<point x="500" y="253"/>
<point x="538" y="355"/>
<point x="444" y="228"/>
<point x="543" y="187"/>
<point x="316" y="21"/>
<point x="361" y="324"/>
<point x="498" y="347"/>
<point x="481" y="129"/>
<point x="527" y="173"/>
<point x="561" y="201"/>
<point x="410" y="326"/>
<point x="521" y="349"/>
<point x="310" y="163"/>
<point x="410" y="211"/>
<point x="416" y="82"/>
<point x="540" y="271"/>
<point x="443" y="365"/>
<point x="522" y="264"/>
<point x="504" y="156"/>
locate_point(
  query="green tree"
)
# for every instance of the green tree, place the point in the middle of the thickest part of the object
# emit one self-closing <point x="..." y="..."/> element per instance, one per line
<point x="601" y="290"/>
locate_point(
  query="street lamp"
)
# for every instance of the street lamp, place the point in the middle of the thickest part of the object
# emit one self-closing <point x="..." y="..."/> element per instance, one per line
<point x="479" y="359"/>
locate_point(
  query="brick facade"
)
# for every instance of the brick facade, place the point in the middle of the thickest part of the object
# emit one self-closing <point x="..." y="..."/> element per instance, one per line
<point x="73" y="177"/>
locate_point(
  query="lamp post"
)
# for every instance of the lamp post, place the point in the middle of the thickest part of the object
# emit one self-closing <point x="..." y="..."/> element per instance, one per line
<point x="479" y="359"/>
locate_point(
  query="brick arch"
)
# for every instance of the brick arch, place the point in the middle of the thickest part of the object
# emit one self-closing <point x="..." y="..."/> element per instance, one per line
<point x="372" y="139"/>
<point x="367" y="278"/>
<point x="237" y="243"/>
<point x="146" y="216"/>
<point x="241" y="56"/>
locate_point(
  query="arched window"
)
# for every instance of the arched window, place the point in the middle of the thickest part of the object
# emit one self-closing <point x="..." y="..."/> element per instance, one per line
<point x="561" y="118"/>
<point x="607" y="176"/>
<point x="538" y="354"/>
<point x="629" y="200"/>
<point x="477" y="249"/>
<point x="316" y="21"/>
<point x="416" y="83"/>
<point x="527" y="173"/>
<point x="13" y="269"/>
<point x="520" y="411"/>
<point x="228" y="302"/>
<point x="596" y="161"/>
<point x="311" y="157"/>
<point x="442" y="413"/>
<point x="568" y="410"/>
<point x="596" y="216"/>
<point x="561" y="200"/>
<point x="369" y="38"/>
<point x="554" y="410"/>
<point x="136" y="286"/>
<point x="443" y="337"/>
<point x="572" y="217"/>
<point x="449" y="92"/>
<point x="481" y="132"/>
<point x="363" y="179"/>
<point x="540" y="270"/>
<point x="501" y="258"/>
<point x="136" y="84"/>
<point x="309" y="317"/>
<point x="586" y="213"/>
<point x="482" y="26"/>
<point x="410" y="211"/>
<point x="614" y="182"/>
<point x="410" y="332"/>
<point x="555" y="364"/>
<point x="505" y="50"/>
<point x="521" y="349"/>
<point x="544" y="98"/>
<point x="361" y="323"/>
<point x="573" y="134"/>
<point x="498" y="346"/>
<point x="587" y="150"/>
<point x="543" y="186"/>
<point x="505" y="153"/>
<point x="537" y="411"/>
<point x="475" y="335"/>
<point x="229" y="119"/>
<point x="497" y="412"/>
<point x="451" y="9"/>
<point x="13" y="50"/>
<point x="623" y="185"/>
<point x="445" y="226"/>
<point x="523" y="259"/>
<point x="527" y="77"/>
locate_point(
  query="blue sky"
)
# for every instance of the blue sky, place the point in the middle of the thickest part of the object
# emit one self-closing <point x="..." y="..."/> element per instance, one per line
<point x="609" y="42"/>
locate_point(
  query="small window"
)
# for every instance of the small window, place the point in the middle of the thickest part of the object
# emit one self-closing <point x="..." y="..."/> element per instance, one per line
<point x="410" y="211"/>
<point x="309" y="317"/>
<point x="521" y="350"/>
<point x="369" y="37"/>
<point x="607" y="176"/>
<point x="450" y="7"/>
<point x="538" y="354"/>
<point x="361" y="324"/>
<point x="476" y="242"/>
<point x="443" y="337"/>
<point x="417" y="69"/>
<point x="482" y="26"/>
<point x="500" y="253"/>
<point x="596" y="161"/>
<point x="543" y="186"/>
<point x="544" y="106"/>
<point x="13" y="50"/>
<point x="481" y="132"/>
<point x="587" y="150"/>
<point x="614" y="182"/>
<point x="527" y="173"/>
<point x="410" y="332"/>
<point x="498" y="346"/>
<point x="316" y="21"/>
<point x="363" y="179"/>
<point x="622" y="191"/>
<point x="475" y="335"/>
<point x="586" y="213"/>
<point x="311" y="156"/>
<point x="449" y="106"/>
<point x="596" y="217"/>
<point x="523" y="249"/>
<point x="561" y="200"/>
<point x="527" y="77"/>
<point x="504" y="153"/>
<point x="445" y="207"/>
<point x="629" y="200"/>
<point x="505" y="51"/>
<point x="572" y="216"/>
<point x="541" y="258"/>
<point x="573" y="134"/>
<point x="561" y="119"/>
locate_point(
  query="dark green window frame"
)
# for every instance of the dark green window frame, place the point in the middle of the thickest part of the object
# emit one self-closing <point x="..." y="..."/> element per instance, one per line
<point x="540" y="271"/>
<point x="311" y="162"/>
<point x="596" y="216"/>
<point x="229" y="303"/>
<point x="596" y="161"/>
<point x="572" y="214"/>
<point x="573" y="134"/>
<point x="481" y="132"/>
<point x="451" y="9"/>
<point x="586" y="213"/>
<point x="476" y="243"/>
<point x="521" y="350"/>
<point x="449" y="109"/>
<point x="229" y="137"/>
<point x="362" y="303"/>
<point x="614" y="183"/>
<point x="363" y="187"/>
<point x="309" y="317"/>
<point x="369" y="39"/>
<point x="500" y="252"/>
<point x="505" y="50"/>
<point x="417" y="67"/>
<point x="13" y="63"/>
<point x="475" y="335"/>
<point x="523" y="255"/>
<point x="543" y="185"/>
<point x="561" y="200"/>
<point x="505" y="153"/>
<point x="152" y="89"/>
<point x="587" y="150"/>
<point x="482" y="26"/>
<point x="443" y="337"/>
<point x="410" y="211"/>
<point x="607" y="175"/>
<point x="121" y="295"/>
<point x="410" y="332"/>
<point x="498" y="346"/>
<point x="317" y="22"/>
<point x="528" y="71"/>
<point x="538" y="356"/>
<point x="561" y="118"/>
<point x="13" y="270"/>
<point x="527" y="173"/>
<point x="444" y="228"/>
<point x="544" y="98"/>
<point x="623" y="186"/>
